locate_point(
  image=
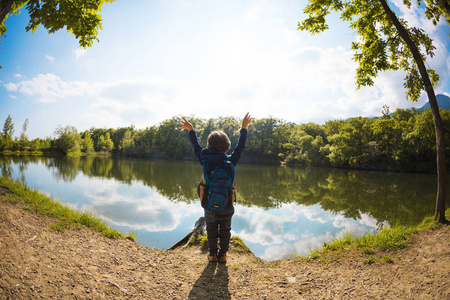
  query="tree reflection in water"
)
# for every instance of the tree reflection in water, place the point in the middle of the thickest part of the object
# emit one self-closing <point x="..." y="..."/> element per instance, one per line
<point x="295" y="209"/>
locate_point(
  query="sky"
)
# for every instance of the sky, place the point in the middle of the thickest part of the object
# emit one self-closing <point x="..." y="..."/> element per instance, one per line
<point x="159" y="59"/>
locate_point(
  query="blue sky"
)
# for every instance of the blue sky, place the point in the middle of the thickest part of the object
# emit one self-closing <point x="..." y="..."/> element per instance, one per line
<point x="159" y="59"/>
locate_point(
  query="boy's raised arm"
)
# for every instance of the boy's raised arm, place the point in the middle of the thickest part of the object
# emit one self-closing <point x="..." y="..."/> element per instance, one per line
<point x="186" y="125"/>
<point x="246" y="120"/>
<point x="192" y="137"/>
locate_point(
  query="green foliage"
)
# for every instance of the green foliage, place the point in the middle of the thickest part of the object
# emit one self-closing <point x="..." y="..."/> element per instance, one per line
<point x="172" y="141"/>
<point x="306" y="145"/>
<point x="127" y="143"/>
<point x="38" y="144"/>
<point x="401" y="141"/>
<point x="388" y="259"/>
<point x="68" y="140"/>
<point x="199" y="239"/>
<point x="435" y="9"/>
<point x="8" y="132"/>
<point x="367" y="250"/>
<point x="23" y="143"/>
<point x="105" y="144"/>
<point x="118" y="134"/>
<point x="239" y="245"/>
<point x="87" y="143"/>
<point x="262" y="136"/>
<point x="14" y="9"/>
<point x="313" y="254"/>
<point x="370" y="260"/>
<point x="388" y="238"/>
<point x="339" y="244"/>
<point x="384" y="240"/>
<point x="81" y="18"/>
<point x="131" y="236"/>
<point x="350" y="146"/>
<point x="379" y="46"/>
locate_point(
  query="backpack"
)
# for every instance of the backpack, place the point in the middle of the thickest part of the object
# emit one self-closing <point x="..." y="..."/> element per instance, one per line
<point x="216" y="189"/>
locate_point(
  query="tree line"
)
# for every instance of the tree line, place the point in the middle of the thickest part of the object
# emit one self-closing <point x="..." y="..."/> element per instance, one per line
<point x="401" y="141"/>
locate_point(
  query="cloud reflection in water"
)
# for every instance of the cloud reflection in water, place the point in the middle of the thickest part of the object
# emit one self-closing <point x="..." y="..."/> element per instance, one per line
<point x="278" y="234"/>
<point x="138" y="207"/>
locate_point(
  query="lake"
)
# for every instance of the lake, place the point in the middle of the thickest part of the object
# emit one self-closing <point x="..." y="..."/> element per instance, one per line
<point x="280" y="211"/>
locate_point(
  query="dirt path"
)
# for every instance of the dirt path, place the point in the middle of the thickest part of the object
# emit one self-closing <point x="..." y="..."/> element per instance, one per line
<point x="37" y="262"/>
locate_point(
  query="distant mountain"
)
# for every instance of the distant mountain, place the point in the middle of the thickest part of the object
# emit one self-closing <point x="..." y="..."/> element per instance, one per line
<point x="442" y="100"/>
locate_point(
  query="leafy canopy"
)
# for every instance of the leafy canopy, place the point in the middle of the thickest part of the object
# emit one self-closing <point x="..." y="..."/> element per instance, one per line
<point x="379" y="47"/>
<point x="80" y="17"/>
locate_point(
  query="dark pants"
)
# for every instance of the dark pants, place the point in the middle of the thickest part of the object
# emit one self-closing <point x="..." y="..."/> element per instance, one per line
<point x="218" y="226"/>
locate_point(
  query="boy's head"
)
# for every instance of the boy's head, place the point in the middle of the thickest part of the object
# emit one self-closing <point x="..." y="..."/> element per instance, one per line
<point x="219" y="141"/>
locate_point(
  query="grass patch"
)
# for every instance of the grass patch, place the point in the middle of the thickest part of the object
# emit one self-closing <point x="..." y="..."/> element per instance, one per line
<point x="239" y="245"/>
<point x="46" y="206"/>
<point x="388" y="238"/>
<point x="370" y="260"/>
<point x="388" y="259"/>
<point x="394" y="238"/>
<point x="57" y="227"/>
<point x="131" y="236"/>
<point x="340" y="244"/>
<point x="314" y="254"/>
<point x="199" y="239"/>
<point x="367" y="250"/>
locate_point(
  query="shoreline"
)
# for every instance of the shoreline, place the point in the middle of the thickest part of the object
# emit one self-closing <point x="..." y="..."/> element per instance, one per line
<point x="37" y="261"/>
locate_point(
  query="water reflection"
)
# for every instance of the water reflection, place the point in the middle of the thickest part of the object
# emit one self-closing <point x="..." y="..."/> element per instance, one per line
<point x="280" y="210"/>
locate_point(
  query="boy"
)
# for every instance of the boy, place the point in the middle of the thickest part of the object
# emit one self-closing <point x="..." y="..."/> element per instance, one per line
<point x="218" y="223"/>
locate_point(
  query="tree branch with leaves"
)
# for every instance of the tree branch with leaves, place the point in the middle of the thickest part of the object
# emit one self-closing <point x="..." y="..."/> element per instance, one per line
<point x="387" y="43"/>
<point x="81" y="18"/>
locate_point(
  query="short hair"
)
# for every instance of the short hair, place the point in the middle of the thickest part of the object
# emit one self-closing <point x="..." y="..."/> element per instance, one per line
<point x="219" y="141"/>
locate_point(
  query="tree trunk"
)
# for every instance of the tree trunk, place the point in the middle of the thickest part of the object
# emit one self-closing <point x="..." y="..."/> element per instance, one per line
<point x="198" y="228"/>
<point x="5" y="8"/>
<point x="439" y="129"/>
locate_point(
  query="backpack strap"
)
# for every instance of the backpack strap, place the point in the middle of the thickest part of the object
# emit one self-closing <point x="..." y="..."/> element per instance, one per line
<point x="202" y="188"/>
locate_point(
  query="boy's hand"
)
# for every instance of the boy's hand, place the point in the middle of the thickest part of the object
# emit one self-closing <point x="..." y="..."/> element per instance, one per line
<point x="186" y="125"/>
<point x="246" y="120"/>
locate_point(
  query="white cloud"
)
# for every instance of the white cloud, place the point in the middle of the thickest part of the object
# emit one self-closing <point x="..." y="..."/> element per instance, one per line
<point x="79" y="52"/>
<point x="253" y="13"/>
<point x="136" y="102"/>
<point x="49" y="57"/>
<point x="118" y="103"/>
<point x="47" y="88"/>
<point x="17" y="75"/>
<point x="11" y="87"/>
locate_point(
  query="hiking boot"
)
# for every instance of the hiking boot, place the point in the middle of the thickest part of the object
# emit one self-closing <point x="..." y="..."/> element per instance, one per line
<point x="212" y="258"/>
<point x="223" y="258"/>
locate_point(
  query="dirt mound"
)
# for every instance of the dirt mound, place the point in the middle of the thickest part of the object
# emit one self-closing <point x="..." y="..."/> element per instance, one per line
<point x="37" y="262"/>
